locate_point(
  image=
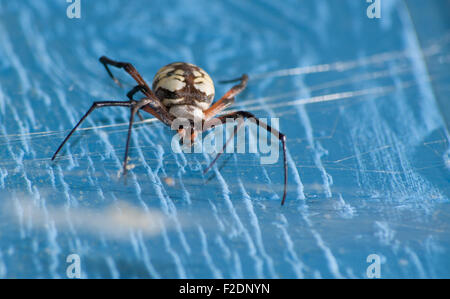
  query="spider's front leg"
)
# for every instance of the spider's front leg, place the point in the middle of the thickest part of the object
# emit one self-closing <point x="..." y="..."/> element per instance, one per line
<point x="93" y="107"/>
<point x="239" y="115"/>
<point x="150" y="105"/>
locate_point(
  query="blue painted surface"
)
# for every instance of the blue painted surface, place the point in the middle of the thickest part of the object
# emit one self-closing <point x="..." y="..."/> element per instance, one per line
<point x="363" y="103"/>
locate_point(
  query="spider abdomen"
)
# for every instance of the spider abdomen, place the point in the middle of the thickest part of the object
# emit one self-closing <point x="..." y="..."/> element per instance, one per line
<point x="185" y="89"/>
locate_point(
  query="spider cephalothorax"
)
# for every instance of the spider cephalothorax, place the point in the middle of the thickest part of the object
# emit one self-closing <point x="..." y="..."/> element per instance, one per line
<point x="179" y="90"/>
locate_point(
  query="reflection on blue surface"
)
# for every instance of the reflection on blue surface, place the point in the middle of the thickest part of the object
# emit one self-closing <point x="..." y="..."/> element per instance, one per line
<point x="363" y="102"/>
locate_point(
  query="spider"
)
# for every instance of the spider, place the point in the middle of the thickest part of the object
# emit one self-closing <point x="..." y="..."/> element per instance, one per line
<point x="180" y="90"/>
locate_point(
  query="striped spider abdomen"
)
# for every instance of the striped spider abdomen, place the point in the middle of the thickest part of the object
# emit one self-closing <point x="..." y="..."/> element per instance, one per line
<point x="184" y="89"/>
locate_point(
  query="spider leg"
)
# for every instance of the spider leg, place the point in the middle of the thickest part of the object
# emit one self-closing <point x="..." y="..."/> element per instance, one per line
<point x="154" y="106"/>
<point x="244" y="114"/>
<point x="134" y="109"/>
<point x="130" y="127"/>
<point x="94" y="106"/>
<point x="156" y="109"/>
<point x="135" y="90"/>
<point x="222" y="120"/>
<point x="131" y="94"/>
<point x="129" y="68"/>
<point x="230" y="81"/>
<point x="149" y="105"/>
<point x="228" y="99"/>
<point x="140" y="116"/>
